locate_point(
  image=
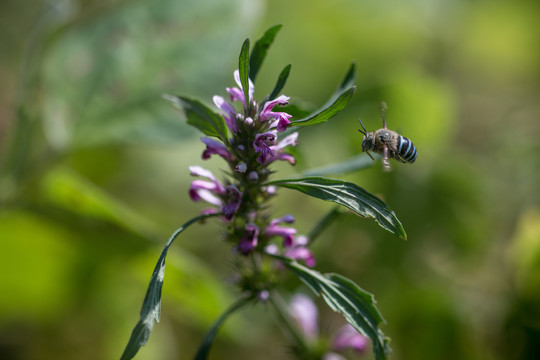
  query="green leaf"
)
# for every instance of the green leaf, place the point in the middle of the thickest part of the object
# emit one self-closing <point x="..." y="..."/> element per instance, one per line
<point x="335" y="104"/>
<point x="326" y="112"/>
<point x="347" y="83"/>
<point x="353" y="164"/>
<point x="344" y="296"/>
<point x="243" y="68"/>
<point x="204" y="348"/>
<point x="259" y="51"/>
<point x="63" y="187"/>
<point x="151" y="307"/>
<point x="349" y="80"/>
<point x="349" y="195"/>
<point x="200" y="116"/>
<point x="282" y="79"/>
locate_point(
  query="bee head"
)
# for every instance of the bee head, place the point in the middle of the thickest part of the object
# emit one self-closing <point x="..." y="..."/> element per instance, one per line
<point x="367" y="141"/>
<point x="368" y="137"/>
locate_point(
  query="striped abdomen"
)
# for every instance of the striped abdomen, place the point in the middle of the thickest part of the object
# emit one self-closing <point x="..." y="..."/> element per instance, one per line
<point x="406" y="149"/>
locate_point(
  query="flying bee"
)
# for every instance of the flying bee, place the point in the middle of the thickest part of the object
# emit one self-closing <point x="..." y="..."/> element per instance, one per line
<point x="388" y="143"/>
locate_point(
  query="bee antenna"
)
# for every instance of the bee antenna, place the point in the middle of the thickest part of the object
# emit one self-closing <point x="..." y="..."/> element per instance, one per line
<point x="363" y="127"/>
<point x="383" y="107"/>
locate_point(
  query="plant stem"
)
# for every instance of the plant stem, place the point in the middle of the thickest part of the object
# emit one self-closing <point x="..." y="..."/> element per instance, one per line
<point x="281" y="310"/>
<point x="323" y="223"/>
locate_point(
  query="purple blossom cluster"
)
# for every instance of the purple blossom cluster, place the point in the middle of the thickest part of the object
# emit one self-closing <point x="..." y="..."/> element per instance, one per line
<point x="255" y="142"/>
<point x="250" y="136"/>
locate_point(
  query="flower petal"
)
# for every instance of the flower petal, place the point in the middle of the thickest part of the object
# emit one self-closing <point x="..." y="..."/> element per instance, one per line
<point x="269" y="105"/>
<point x="349" y="338"/>
<point x="304" y="311"/>
<point x="249" y="241"/>
<point x="234" y="198"/>
<point x="230" y="117"/>
<point x="206" y="195"/>
<point x="199" y="171"/>
<point x="215" y="147"/>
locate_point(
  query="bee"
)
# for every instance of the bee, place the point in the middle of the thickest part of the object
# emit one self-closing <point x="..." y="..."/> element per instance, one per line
<point x="388" y="143"/>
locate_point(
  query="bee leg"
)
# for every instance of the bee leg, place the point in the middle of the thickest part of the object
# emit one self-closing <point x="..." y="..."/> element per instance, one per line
<point x="367" y="152"/>
<point x="386" y="159"/>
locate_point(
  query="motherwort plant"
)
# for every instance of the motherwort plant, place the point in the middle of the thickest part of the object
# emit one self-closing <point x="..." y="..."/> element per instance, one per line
<point x="250" y="135"/>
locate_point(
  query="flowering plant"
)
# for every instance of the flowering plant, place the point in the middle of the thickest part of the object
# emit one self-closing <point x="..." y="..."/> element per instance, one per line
<point x="250" y="136"/>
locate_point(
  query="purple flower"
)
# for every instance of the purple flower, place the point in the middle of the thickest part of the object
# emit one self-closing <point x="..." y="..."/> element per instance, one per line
<point x="287" y="233"/>
<point x="233" y="198"/>
<point x="299" y="251"/>
<point x="230" y="113"/>
<point x="215" y="147"/>
<point x="253" y="176"/>
<point x="237" y="94"/>
<point x="213" y="192"/>
<point x="249" y="121"/>
<point x="349" y="338"/>
<point x="281" y="118"/>
<point x="304" y="312"/>
<point x="269" y="105"/>
<point x="263" y="295"/>
<point x="199" y="171"/>
<point x="209" y="191"/>
<point x="262" y="144"/>
<point x="276" y="153"/>
<point x="295" y="247"/>
<point x="241" y="167"/>
<point x="283" y="121"/>
<point x="204" y="190"/>
<point x="270" y="190"/>
<point x="249" y="241"/>
<point x="272" y="249"/>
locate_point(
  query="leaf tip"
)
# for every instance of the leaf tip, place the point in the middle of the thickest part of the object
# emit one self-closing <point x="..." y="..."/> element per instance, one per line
<point x="403" y="234"/>
<point x="246" y="44"/>
<point x="173" y="99"/>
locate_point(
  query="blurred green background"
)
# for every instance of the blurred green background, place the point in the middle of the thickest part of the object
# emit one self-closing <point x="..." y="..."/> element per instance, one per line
<point x="94" y="171"/>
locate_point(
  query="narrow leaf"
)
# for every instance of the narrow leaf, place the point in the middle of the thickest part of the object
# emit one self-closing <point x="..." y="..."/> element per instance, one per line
<point x="151" y="307"/>
<point x="347" y="83"/>
<point x="282" y="79"/>
<point x="260" y="49"/>
<point x="348" y="80"/>
<point x="326" y="112"/>
<point x="204" y="348"/>
<point x="243" y="68"/>
<point x="344" y="296"/>
<point x="349" y="195"/>
<point x="335" y="103"/>
<point x="353" y="164"/>
<point x="200" y="116"/>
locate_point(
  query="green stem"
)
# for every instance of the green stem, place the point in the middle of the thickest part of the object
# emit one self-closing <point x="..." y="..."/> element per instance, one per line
<point x="281" y="310"/>
<point x="323" y="224"/>
<point x="204" y="348"/>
